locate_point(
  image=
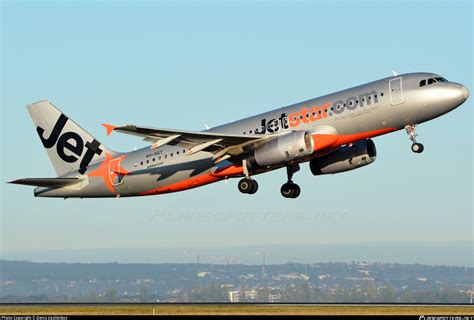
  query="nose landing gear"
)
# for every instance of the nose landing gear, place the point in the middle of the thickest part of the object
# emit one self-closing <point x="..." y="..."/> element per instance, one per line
<point x="411" y="131"/>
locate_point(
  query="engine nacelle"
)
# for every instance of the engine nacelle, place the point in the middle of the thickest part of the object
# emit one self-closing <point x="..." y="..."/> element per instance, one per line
<point x="285" y="148"/>
<point x="345" y="158"/>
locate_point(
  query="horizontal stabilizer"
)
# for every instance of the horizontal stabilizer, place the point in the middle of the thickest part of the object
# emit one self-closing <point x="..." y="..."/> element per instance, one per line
<point x="47" y="182"/>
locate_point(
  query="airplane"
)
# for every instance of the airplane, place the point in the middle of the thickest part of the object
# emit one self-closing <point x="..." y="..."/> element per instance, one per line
<point x="333" y="133"/>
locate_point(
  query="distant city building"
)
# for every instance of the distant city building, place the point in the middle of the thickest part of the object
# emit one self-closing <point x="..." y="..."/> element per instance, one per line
<point x="274" y="297"/>
<point x="234" y="296"/>
<point x="251" y="295"/>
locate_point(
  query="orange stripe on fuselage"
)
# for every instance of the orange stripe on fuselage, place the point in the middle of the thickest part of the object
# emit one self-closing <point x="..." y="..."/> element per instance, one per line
<point x="322" y="141"/>
<point x="232" y="170"/>
<point x="332" y="141"/>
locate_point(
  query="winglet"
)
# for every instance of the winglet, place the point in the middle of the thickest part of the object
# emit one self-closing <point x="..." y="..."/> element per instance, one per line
<point x="109" y="128"/>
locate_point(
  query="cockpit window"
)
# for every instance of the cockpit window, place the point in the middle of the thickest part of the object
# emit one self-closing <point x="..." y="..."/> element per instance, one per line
<point x="431" y="81"/>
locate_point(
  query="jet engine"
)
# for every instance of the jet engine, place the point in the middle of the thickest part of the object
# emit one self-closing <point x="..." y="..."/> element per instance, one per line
<point x="345" y="158"/>
<point x="291" y="146"/>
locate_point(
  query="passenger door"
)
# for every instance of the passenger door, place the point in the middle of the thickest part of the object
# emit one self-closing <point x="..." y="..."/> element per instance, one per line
<point x="396" y="92"/>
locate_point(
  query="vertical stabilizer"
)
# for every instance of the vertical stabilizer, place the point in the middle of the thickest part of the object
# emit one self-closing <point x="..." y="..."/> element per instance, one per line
<point x="68" y="145"/>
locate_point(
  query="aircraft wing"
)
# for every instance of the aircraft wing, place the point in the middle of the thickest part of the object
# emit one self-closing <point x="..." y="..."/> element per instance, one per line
<point x="221" y="144"/>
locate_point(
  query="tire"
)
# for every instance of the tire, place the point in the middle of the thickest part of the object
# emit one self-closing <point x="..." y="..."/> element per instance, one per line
<point x="245" y="185"/>
<point x="254" y="187"/>
<point x="296" y="190"/>
<point x="286" y="190"/>
<point x="417" y="148"/>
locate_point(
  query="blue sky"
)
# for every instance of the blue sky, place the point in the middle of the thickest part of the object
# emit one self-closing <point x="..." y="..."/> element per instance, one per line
<point x="186" y="64"/>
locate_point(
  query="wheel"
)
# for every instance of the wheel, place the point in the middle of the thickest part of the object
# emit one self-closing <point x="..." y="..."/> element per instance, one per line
<point x="417" y="147"/>
<point x="296" y="191"/>
<point x="290" y="190"/>
<point x="254" y="186"/>
<point x="286" y="190"/>
<point x="245" y="185"/>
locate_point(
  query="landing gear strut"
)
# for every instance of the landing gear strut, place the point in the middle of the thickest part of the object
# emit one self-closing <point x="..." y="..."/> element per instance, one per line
<point x="411" y="131"/>
<point x="247" y="185"/>
<point x="290" y="189"/>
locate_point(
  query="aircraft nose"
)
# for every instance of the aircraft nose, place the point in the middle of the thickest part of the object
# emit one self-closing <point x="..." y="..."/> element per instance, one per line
<point x="465" y="92"/>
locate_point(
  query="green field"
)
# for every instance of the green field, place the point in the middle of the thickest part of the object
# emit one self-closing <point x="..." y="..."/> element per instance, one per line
<point x="234" y="310"/>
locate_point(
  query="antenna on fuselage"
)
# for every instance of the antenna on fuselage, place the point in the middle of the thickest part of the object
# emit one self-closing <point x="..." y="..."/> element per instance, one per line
<point x="394" y="73"/>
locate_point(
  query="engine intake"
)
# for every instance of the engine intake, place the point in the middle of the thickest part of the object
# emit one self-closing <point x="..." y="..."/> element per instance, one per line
<point x="345" y="158"/>
<point x="283" y="149"/>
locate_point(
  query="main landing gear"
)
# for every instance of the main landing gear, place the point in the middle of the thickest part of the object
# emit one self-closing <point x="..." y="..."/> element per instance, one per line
<point x="290" y="189"/>
<point x="247" y="185"/>
<point x="411" y="131"/>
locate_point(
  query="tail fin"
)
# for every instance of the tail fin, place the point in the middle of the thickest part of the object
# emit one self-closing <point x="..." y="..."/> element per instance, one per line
<point x="68" y="145"/>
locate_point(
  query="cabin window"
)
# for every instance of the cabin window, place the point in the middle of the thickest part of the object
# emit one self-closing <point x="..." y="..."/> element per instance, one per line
<point x="141" y="163"/>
